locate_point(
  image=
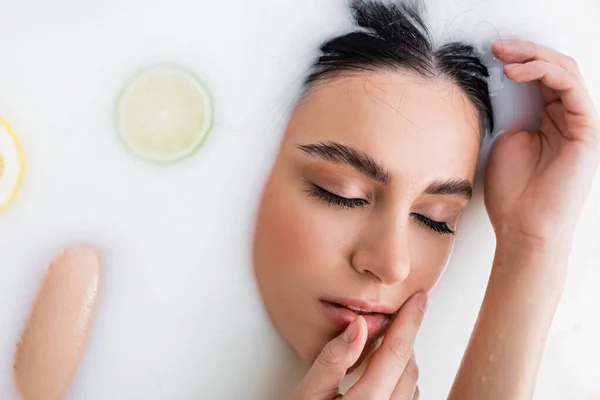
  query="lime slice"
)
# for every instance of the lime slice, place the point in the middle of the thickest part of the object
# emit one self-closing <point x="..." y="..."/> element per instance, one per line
<point x="12" y="165"/>
<point x="164" y="114"/>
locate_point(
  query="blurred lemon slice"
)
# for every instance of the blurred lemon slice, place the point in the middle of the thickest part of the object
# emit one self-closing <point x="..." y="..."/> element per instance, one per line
<point x="12" y="165"/>
<point x="164" y="114"/>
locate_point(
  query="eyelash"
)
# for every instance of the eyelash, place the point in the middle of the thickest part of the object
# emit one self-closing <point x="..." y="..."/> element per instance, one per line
<point x="325" y="195"/>
<point x="440" y="227"/>
<point x="316" y="191"/>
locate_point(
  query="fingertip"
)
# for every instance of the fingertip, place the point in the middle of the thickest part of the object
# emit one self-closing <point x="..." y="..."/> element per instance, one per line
<point x="511" y="70"/>
<point x="356" y="346"/>
<point x="508" y="50"/>
<point x="497" y="47"/>
<point x="358" y="331"/>
<point x="362" y="329"/>
<point x="502" y="46"/>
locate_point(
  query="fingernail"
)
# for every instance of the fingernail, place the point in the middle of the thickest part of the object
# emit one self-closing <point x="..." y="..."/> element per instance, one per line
<point x="351" y="332"/>
<point x="423" y="301"/>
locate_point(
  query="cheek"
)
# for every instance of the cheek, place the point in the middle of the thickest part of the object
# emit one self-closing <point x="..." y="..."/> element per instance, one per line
<point x="292" y="241"/>
<point x="429" y="253"/>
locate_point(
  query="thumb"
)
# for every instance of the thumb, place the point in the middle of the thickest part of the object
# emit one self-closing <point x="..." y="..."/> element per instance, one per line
<point x="322" y="382"/>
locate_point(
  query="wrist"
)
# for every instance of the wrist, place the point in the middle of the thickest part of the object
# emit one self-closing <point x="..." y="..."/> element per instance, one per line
<point x="519" y="241"/>
<point x="537" y="263"/>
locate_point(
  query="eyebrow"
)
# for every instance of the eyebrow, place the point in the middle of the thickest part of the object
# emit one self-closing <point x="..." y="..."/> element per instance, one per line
<point x="455" y="187"/>
<point x="341" y="154"/>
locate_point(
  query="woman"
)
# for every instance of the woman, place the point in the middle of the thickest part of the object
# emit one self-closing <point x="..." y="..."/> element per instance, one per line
<point x="377" y="162"/>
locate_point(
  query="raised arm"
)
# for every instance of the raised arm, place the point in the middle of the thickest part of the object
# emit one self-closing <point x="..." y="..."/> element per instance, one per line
<point x="536" y="184"/>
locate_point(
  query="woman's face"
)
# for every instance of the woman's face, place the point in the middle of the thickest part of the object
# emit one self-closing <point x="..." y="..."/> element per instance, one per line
<point x="371" y="176"/>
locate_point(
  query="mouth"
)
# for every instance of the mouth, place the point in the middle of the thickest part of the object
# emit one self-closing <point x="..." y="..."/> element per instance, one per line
<point x="342" y="312"/>
<point x="357" y="311"/>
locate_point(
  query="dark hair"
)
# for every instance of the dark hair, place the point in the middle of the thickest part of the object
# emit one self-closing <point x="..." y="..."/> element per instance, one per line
<point x="393" y="37"/>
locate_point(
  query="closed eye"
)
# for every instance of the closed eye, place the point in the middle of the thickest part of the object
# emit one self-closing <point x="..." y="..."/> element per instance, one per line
<point x="334" y="199"/>
<point x="344" y="202"/>
<point x="437" y="226"/>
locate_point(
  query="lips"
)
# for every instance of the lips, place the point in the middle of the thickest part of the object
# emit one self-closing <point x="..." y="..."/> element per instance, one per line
<point x="342" y="314"/>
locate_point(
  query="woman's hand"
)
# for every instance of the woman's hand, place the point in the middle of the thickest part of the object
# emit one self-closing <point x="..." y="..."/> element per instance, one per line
<point x="392" y="372"/>
<point x="537" y="182"/>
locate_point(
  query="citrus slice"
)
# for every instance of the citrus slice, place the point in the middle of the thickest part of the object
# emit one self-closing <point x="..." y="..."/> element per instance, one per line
<point x="12" y="165"/>
<point x="164" y="114"/>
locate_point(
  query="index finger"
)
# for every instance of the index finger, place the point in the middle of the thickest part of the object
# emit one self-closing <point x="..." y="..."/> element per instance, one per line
<point x="323" y="380"/>
<point x="390" y="360"/>
<point x="520" y="51"/>
<point x="568" y="88"/>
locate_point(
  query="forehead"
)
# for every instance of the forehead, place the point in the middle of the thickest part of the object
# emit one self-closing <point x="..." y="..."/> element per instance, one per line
<point x="411" y="125"/>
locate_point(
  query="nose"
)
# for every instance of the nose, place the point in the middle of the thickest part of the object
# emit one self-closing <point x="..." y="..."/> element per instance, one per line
<point x="383" y="255"/>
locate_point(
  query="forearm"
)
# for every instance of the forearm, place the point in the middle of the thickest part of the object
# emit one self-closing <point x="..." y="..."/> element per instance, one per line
<point x="504" y="353"/>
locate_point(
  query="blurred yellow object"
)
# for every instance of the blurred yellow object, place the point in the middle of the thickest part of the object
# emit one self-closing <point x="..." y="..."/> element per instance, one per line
<point x="12" y="165"/>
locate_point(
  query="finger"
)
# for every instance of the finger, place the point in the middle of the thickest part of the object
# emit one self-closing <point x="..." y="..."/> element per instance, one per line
<point x="556" y="113"/>
<point x="390" y="360"/>
<point x="571" y="92"/>
<point x="60" y="319"/>
<point x="417" y="394"/>
<point x="407" y="385"/>
<point x="521" y="51"/>
<point x="550" y="133"/>
<point x="323" y="380"/>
